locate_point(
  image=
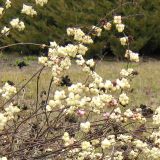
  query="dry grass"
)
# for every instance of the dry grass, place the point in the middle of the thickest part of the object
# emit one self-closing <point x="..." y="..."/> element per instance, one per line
<point x="146" y="85"/>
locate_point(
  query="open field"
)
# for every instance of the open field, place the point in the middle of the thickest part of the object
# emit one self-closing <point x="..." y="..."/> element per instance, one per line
<point x="146" y="86"/>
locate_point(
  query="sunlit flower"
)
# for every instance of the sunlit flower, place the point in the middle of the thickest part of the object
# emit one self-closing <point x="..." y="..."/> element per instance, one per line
<point x="17" y="24"/>
<point x="28" y="10"/>
<point x="117" y="19"/>
<point x="85" y="127"/>
<point x="96" y="30"/>
<point x="8" y="4"/>
<point x="107" y="26"/>
<point x="120" y="27"/>
<point x="124" y="41"/>
<point x="5" y="31"/>
<point x="41" y="2"/>
<point x="1" y="10"/>
<point x="132" y="56"/>
<point x="123" y="98"/>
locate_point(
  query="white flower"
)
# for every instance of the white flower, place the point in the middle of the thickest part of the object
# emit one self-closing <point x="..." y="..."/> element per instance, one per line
<point x="8" y="4"/>
<point x="107" y="26"/>
<point x="82" y="49"/>
<point x="128" y="113"/>
<point x="3" y="158"/>
<point x="71" y="50"/>
<point x="118" y="155"/>
<point x="156" y="116"/>
<point x="3" y="120"/>
<point x="55" y="103"/>
<point x="140" y="144"/>
<point x="132" y="56"/>
<point x="5" y="31"/>
<point x="70" y="31"/>
<point x="126" y="73"/>
<point x="117" y="19"/>
<point x="124" y="138"/>
<point x="73" y="99"/>
<point x="65" y="136"/>
<point x="48" y="108"/>
<point x="53" y="44"/>
<point x="105" y="143"/>
<point x="41" y="2"/>
<point x="68" y="50"/>
<point x="120" y="27"/>
<point x="80" y="60"/>
<point x="154" y="153"/>
<point x="97" y="31"/>
<point x="43" y="60"/>
<point x="1" y="10"/>
<point x="7" y="91"/>
<point x="59" y="95"/>
<point x="48" y="150"/>
<point x="90" y="63"/>
<point x="123" y="98"/>
<point x="86" y="145"/>
<point x="87" y="40"/>
<point x="79" y="35"/>
<point x="133" y="153"/>
<point x="85" y="127"/>
<point x="17" y="24"/>
<point x="68" y="141"/>
<point x="65" y="63"/>
<point x="123" y="83"/>
<point x="28" y="10"/>
<point x="86" y="69"/>
<point x="108" y="84"/>
<point x="117" y="110"/>
<point x="21" y="26"/>
<point x="76" y="88"/>
<point x="11" y="110"/>
<point x="124" y="41"/>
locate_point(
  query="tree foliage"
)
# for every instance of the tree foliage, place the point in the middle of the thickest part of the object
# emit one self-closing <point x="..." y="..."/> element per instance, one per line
<point x="50" y="23"/>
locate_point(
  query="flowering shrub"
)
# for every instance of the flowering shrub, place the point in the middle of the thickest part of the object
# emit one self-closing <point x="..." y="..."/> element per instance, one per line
<point x="81" y="121"/>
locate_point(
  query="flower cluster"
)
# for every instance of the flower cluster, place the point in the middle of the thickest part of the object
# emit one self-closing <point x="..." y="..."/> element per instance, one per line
<point x="8" y="90"/>
<point x="5" y="31"/>
<point x="8" y="4"/>
<point x="132" y="56"/>
<point x="107" y="26"/>
<point x="17" y="24"/>
<point x="28" y="10"/>
<point x="123" y="99"/>
<point x="97" y="96"/>
<point x="80" y="36"/>
<point x="156" y="117"/>
<point x="126" y="72"/>
<point x="124" y="41"/>
<point x="1" y="10"/>
<point x="3" y="158"/>
<point x="108" y="142"/>
<point x="41" y="2"/>
<point x="9" y="114"/>
<point x="68" y="141"/>
<point x="85" y="127"/>
<point x="96" y="30"/>
<point x="94" y="120"/>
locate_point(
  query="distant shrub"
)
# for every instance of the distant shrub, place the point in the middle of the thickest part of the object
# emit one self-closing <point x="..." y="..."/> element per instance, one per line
<point x="90" y="120"/>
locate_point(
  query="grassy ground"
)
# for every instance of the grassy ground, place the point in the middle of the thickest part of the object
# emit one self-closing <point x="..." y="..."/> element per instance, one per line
<point x="146" y="85"/>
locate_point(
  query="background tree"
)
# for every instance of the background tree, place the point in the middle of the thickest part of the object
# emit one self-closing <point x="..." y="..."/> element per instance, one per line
<point x="49" y="25"/>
